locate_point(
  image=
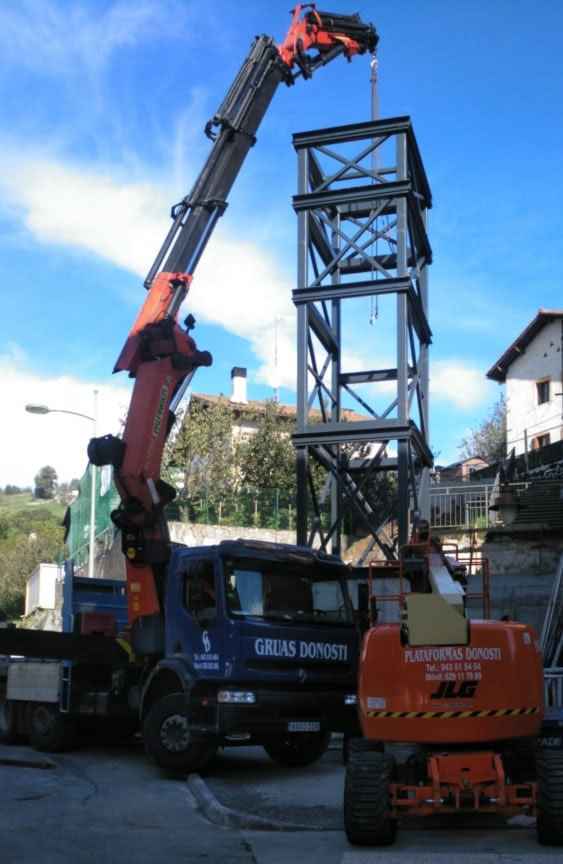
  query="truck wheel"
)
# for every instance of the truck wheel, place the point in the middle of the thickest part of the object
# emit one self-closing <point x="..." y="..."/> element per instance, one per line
<point x="297" y="749"/>
<point x="549" y="823"/>
<point x="47" y="728"/>
<point x="366" y="799"/>
<point x="8" y="721"/>
<point x="168" y="739"/>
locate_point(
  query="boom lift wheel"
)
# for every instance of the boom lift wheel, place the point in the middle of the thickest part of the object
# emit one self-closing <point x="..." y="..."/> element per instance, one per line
<point x="520" y="755"/>
<point x="359" y="745"/>
<point x="366" y="798"/>
<point x="549" y="824"/>
<point x="168" y="739"/>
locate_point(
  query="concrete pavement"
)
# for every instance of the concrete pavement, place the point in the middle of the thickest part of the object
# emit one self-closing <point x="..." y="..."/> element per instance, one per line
<point x="112" y="805"/>
<point x="246" y="790"/>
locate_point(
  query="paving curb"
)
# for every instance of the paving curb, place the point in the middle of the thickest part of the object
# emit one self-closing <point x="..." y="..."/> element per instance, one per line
<point x="229" y="818"/>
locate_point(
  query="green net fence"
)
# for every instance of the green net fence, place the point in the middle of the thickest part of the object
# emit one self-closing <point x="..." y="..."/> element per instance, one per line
<point x="105" y="500"/>
<point x="246" y="507"/>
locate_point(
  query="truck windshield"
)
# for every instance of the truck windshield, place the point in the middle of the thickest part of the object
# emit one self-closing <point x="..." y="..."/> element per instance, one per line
<point x="274" y="590"/>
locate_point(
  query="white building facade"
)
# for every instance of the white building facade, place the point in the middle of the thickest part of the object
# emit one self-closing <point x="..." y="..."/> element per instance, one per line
<point x="532" y="369"/>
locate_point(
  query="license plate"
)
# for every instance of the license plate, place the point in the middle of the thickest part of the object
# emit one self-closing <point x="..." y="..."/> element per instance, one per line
<point x="301" y="726"/>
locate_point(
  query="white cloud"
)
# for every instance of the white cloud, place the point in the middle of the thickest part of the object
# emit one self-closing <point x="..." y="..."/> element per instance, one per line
<point x="462" y="386"/>
<point x="50" y="38"/>
<point x="86" y="209"/>
<point x="237" y="285"/>
<point x="28" y="442"/>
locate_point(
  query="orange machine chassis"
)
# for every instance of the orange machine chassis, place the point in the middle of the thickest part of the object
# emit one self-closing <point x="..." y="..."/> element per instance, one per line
<point x="463" y="782"/>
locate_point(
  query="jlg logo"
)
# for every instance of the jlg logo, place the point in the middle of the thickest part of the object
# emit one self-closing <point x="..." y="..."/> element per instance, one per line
<point x="446" y="690"/>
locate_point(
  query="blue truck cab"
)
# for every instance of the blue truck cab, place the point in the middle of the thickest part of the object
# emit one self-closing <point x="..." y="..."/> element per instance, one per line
<point x="260" y="646"/>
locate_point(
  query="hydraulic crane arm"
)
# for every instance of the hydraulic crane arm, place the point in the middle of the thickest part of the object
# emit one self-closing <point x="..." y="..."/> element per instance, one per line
<point x="240" y="115"/>
<point x="159" y="353"/>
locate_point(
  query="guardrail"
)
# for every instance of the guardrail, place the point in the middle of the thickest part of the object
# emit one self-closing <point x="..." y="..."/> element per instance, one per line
<point x="462" y="505"/>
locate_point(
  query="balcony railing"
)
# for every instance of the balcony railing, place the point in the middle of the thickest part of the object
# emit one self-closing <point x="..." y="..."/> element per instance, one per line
<point x="466" y="505"/>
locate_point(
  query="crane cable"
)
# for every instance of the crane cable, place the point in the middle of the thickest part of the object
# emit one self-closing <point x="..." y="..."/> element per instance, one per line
<point x="374" y="116"/>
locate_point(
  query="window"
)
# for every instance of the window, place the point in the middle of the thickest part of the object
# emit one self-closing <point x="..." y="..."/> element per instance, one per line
<point x="286" y="591"/>
<point x="199" y="591"/>
<point x="540" y="441"/>
<point x="542" y="391"/>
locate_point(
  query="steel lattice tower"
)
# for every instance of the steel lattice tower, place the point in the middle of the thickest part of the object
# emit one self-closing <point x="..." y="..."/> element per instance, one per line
<point x="362" y="205"/>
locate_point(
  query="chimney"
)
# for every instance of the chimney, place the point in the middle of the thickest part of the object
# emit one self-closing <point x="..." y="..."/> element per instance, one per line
<point x="238" y="384"/>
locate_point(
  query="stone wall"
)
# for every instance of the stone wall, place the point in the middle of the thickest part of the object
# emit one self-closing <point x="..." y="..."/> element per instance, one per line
<point x="522" y="571"/>
<point x="208" y="535"/>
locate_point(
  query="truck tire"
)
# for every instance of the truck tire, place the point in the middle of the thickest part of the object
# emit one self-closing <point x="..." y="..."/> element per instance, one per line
<point x="9" y="732"/>
<point x="168" y="739"/>
<point x="47" y="728"/>
<point x="367" y="819"/>
<point x="549" y="824"/>
<point x="297" y="749"/>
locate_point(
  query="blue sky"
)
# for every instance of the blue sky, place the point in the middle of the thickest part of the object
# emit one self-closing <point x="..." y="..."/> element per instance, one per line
<point x="104" y="105"/>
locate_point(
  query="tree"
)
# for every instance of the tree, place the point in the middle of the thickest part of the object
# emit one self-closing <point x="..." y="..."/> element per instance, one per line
<point x="45" y="483"/>
<point x="26" y="540"/>
<point x="201" y="451"/>
<point x="489" y="439"/>
<point x="10" y="489"/>
<point x="65" y="491"/>
<point x="266" y="458"/>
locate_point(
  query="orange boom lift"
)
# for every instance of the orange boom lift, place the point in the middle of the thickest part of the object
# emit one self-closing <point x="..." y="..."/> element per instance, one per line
<point x="450" y="707"/>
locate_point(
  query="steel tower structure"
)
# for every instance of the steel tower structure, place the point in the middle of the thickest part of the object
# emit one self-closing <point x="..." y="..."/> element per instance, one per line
<point x="362" y="395"/>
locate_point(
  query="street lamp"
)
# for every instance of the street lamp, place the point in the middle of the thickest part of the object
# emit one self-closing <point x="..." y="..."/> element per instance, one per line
<point x="44" y="409"/>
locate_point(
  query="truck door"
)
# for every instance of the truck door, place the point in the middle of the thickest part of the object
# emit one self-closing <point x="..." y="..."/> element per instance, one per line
<point x="192" y="629"/>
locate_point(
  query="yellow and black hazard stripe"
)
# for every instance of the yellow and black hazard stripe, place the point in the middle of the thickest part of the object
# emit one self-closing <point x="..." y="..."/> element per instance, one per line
<point x="447" y="715"/>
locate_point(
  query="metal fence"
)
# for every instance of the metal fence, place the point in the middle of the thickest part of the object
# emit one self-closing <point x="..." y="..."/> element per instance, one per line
<point x="258" y="508"/>
<point x="463" y="505"/>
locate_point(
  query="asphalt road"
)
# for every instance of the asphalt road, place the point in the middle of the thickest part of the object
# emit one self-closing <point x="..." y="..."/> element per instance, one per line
<point x="111" y="804"/>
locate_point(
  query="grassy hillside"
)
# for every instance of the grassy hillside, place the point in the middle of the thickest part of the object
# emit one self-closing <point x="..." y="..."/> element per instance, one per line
<point x="24" y="501"/>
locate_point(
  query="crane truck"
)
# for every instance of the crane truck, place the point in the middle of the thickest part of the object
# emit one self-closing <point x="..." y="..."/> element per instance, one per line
<point x="241" y="641"/>
<point x="450" y="719"/>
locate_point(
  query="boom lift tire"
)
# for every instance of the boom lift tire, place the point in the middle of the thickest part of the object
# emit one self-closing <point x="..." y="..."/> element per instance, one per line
<point x="549" y="823"/>
<point x="169" y="741"/>
<point x="297" y="749"/>
<point x="362" y="745"/>
<point x="520" y="756"/>
<point x="359" y="745"/>
<point x="366" y="799"/>
<point x="47" y="728"/>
